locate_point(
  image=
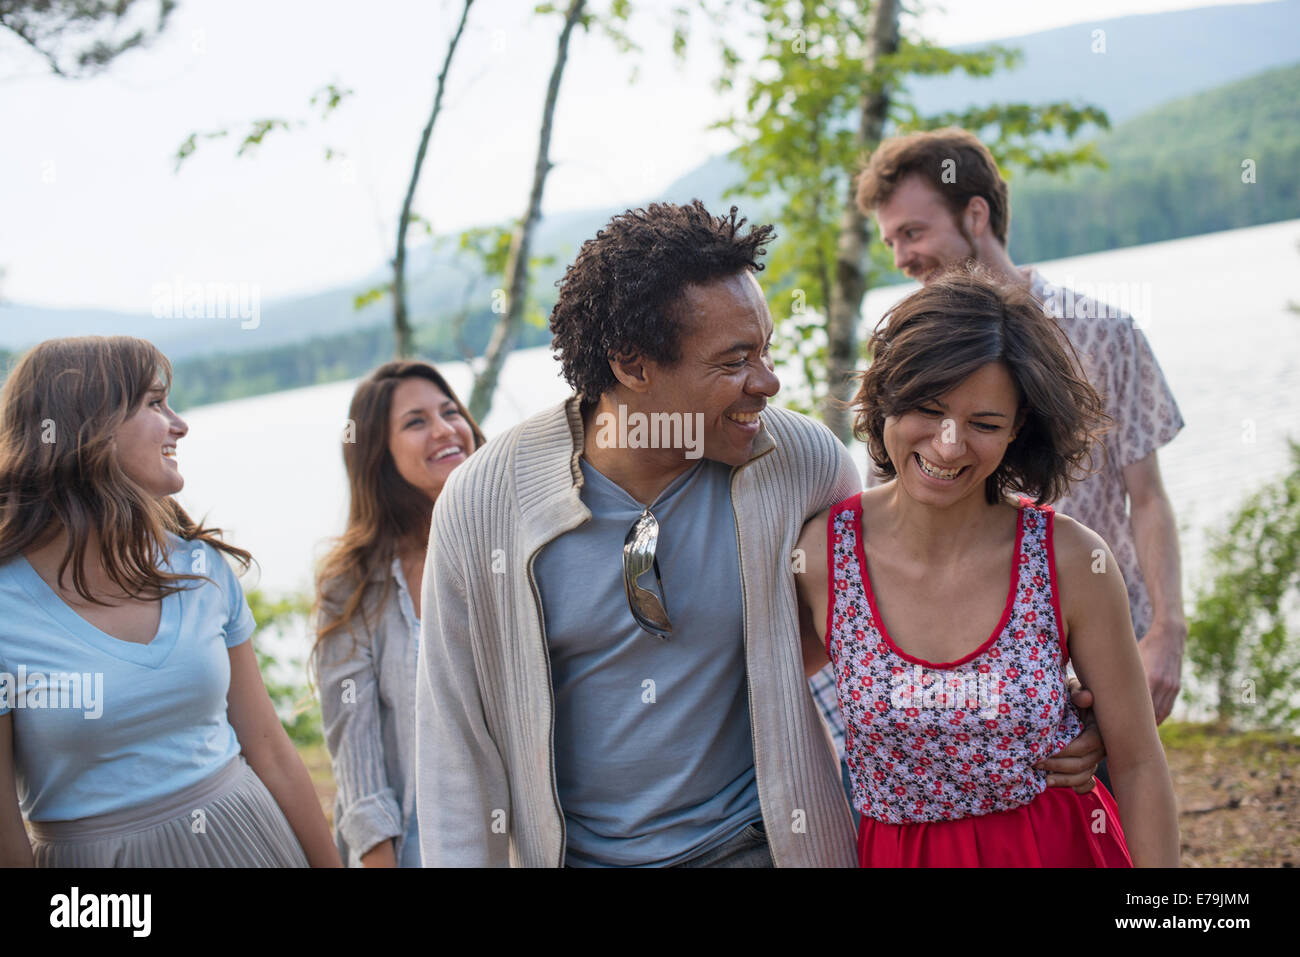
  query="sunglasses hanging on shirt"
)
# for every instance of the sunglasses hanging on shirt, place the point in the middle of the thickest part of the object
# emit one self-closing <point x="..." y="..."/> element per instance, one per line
<point x="638" y="558"/>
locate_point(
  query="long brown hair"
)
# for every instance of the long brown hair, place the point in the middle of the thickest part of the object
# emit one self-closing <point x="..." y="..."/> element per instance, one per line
<point x="59" y="411"/>
<point x="384" y="510"/>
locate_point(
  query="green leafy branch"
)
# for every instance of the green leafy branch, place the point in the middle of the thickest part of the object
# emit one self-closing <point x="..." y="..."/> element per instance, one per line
<point x="328" y="98"/>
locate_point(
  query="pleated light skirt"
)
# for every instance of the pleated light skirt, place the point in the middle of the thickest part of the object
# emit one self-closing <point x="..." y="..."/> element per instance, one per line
<point x="228" y="819"/>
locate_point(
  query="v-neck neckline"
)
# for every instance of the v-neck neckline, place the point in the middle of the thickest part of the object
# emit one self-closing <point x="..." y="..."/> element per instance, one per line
<point x="629" y="500"/>
<point x="149" y="655"/>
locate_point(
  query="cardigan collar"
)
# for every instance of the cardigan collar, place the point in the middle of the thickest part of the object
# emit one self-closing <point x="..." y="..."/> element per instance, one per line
<point x="547" y="476"/>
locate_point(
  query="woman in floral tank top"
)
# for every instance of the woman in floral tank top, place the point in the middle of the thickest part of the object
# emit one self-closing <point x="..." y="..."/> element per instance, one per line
<point x="973" y="398"/>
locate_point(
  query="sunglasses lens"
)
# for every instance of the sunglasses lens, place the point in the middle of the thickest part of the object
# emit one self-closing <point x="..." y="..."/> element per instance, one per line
<point x="639" y="558"/>
<point x="639" y="547"/>
<point x="649" y="613"/>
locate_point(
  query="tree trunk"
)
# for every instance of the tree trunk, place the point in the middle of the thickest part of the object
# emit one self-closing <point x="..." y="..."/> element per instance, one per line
<point x="1226" y="710"/>
<point x="852" y="255"/>
<point x="405" y="341"/>
<point x="507" y="329"/>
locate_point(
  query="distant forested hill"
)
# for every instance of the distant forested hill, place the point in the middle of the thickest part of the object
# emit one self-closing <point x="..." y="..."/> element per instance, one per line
<point x="1174" y="171"/>
<point x="200" y="380"/>
<point x="1129" y="64"/>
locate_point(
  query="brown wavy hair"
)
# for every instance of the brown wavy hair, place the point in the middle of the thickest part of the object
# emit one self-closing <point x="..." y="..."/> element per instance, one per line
<point x="384" y="510"/>
<point x="60" y="409"/>
<point x="974" y="173"/>
<point x="942" y="333"/>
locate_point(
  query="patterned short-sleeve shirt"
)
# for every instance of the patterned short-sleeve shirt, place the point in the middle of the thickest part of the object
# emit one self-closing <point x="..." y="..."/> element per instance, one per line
<point x="1119" y="363"/>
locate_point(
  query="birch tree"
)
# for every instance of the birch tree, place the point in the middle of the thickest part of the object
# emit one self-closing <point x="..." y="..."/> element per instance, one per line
<point x="401" y="325"/>
<point x="508" y="326"/>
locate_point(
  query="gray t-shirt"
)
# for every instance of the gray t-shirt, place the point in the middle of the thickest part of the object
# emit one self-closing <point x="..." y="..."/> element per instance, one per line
<point x="653" y="750"/>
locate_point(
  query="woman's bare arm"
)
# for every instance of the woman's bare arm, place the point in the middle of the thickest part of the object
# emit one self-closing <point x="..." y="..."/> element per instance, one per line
<point x="271" y="754"/>
<point x="15" y="848"/>
<point x="1104" y="649"/>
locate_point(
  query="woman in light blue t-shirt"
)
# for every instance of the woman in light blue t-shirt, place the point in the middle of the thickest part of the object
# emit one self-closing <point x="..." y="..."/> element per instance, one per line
<point x="408" y="431"/>
<point x="135" y="730"/>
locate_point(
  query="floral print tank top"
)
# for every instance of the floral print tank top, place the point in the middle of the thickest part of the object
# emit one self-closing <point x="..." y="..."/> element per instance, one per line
<point x="937" y="742"/>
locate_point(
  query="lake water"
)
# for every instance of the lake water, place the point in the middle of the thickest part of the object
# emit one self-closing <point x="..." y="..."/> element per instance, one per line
<point x="269" y="469"/>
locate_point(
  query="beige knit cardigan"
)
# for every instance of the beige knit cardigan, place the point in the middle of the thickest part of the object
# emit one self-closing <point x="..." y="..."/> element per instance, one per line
<point x="485" y="760"/>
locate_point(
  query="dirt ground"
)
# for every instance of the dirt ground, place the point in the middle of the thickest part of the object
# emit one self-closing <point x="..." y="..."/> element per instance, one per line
<point x="1238" y="795"/>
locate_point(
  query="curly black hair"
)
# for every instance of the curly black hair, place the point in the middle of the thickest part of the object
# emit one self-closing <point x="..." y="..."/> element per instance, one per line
<point x="618" y="297"/>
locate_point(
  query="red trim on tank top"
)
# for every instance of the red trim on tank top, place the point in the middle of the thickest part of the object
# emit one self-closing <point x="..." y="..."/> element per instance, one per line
<point x="1013" y="588"/>
<point x="1056" y="592"/>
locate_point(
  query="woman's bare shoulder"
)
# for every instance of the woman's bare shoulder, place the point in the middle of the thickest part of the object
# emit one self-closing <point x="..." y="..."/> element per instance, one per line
<point x="1075" y="544"/>
<point x="1086" y="569"/>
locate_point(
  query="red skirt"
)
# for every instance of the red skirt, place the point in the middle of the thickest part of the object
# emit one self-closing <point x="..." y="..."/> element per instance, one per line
<point x="1059" y="828"/>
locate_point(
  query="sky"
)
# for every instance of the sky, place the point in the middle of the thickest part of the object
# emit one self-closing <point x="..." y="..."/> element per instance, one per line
<point x="93" y="213"/>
